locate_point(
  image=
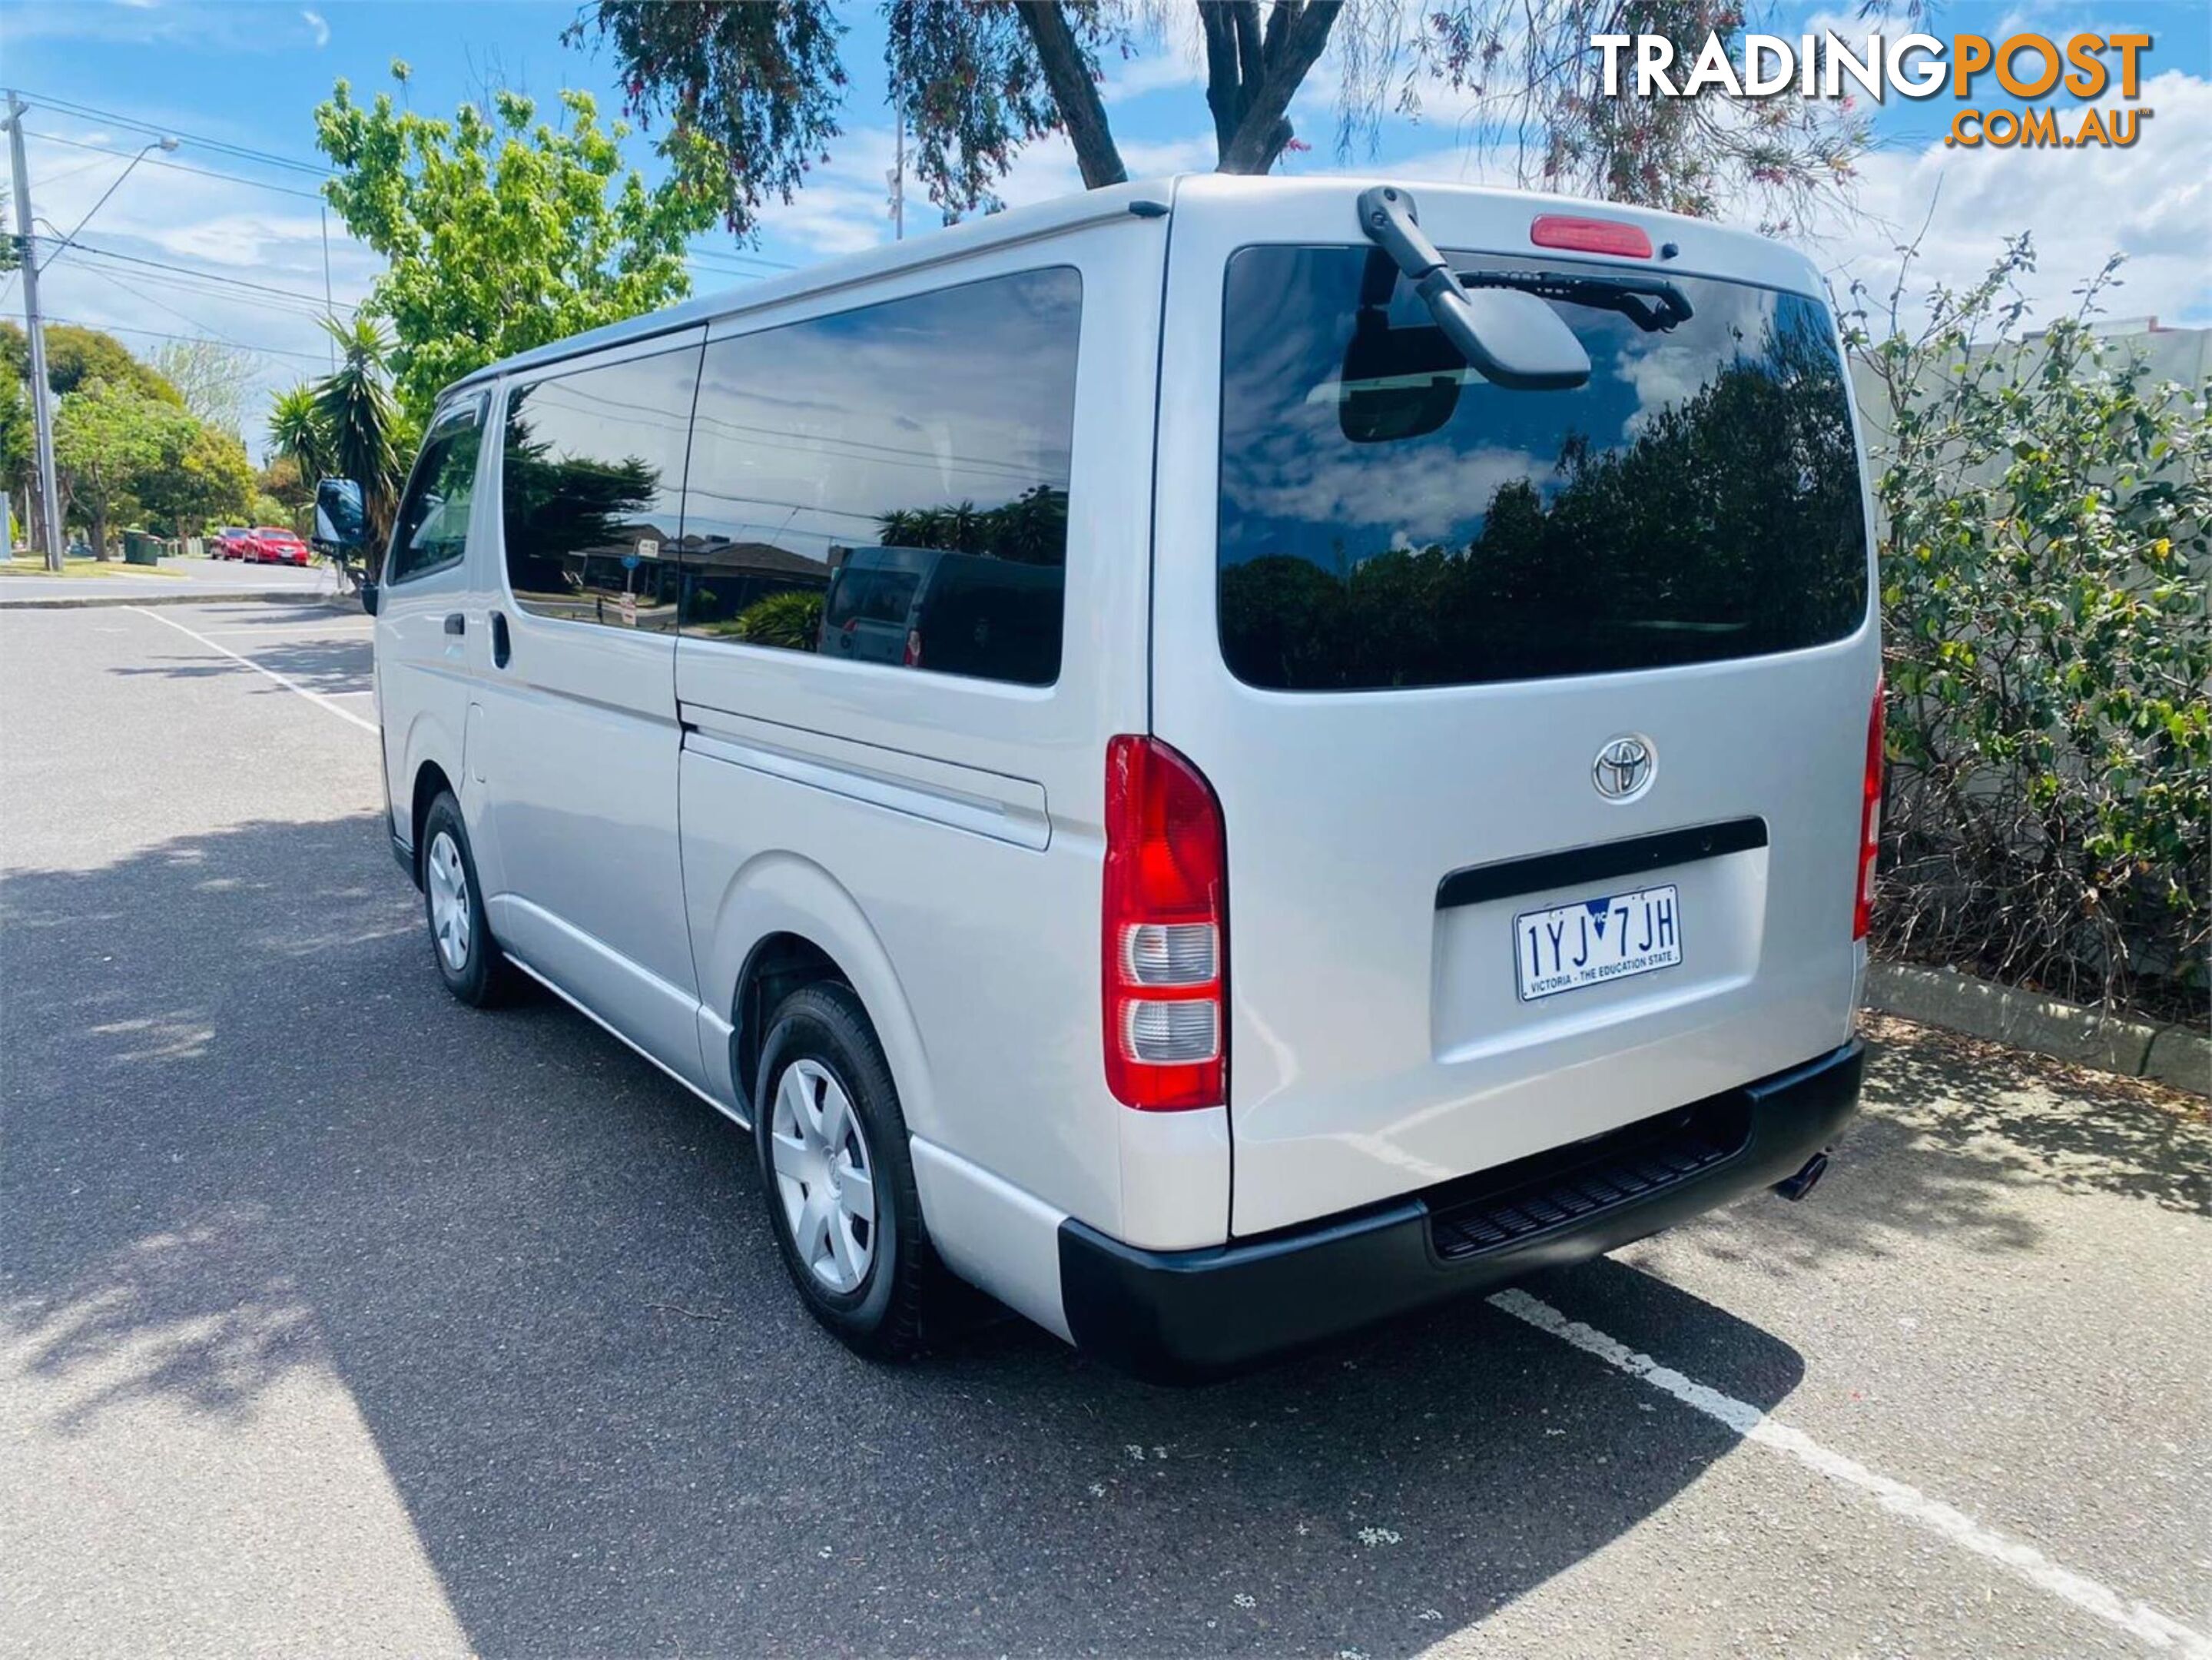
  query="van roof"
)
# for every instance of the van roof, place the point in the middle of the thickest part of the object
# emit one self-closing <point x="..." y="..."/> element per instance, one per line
<point x="1183" y="192"/>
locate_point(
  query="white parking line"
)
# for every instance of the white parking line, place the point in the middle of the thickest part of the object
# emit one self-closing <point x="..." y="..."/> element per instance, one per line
<point x="2022" y="1558"/>
<point x="314" y="697"/>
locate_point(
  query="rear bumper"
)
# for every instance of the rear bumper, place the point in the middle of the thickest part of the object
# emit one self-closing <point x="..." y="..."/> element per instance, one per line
<point x="1184" y="1317"/>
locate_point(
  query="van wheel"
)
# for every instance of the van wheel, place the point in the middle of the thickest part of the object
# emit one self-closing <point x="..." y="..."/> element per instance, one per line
<point x="468" y="959"/>
<point x="835" y="1169"/>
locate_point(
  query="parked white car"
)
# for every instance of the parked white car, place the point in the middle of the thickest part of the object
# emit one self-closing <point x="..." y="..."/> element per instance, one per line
<point x="1365" y="787"/>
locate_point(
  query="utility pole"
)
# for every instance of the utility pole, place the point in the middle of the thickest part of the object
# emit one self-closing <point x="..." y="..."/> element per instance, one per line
<point x="42" y="411"/>
<point x="329" y="310"/>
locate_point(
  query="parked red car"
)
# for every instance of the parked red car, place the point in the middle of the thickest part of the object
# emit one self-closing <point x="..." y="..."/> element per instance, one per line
<point x="230" y="542"/>
<point x="271" y="544"/>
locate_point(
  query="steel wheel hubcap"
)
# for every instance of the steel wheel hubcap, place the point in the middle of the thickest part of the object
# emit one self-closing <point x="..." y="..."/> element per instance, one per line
<point x="823" y="1175"/>
<point x="447" y="879"/>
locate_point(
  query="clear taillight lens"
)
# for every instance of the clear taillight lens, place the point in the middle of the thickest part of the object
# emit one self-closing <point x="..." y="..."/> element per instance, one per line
<point x="1164" y="929"/>
<point x="1869" y="818"/>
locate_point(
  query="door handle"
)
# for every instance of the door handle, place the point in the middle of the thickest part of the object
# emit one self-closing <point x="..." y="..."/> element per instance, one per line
<point x="456" y="623"/>
<point x="501" y="647"/>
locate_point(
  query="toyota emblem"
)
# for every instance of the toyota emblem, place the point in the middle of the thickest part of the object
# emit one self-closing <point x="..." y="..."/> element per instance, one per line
<point x="1624" y="767"/>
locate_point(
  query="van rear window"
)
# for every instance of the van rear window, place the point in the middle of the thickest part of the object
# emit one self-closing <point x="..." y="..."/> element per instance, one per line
<point x="1388" y="520"/>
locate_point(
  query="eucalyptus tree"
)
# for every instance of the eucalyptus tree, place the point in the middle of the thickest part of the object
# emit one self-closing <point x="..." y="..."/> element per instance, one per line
<point x="749" y="94"/>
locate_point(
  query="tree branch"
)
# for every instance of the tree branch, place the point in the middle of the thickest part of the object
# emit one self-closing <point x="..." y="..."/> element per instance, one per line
<point x="1262" y="130"/>
<point x="1081" y="110"/>
<point x="1225" y="91"/>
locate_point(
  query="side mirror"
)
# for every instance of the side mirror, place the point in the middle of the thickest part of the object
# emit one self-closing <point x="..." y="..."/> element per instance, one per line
<point x="1516" y="340"/>
<point x="368" y="595"/>
<point x="341" y="526"/>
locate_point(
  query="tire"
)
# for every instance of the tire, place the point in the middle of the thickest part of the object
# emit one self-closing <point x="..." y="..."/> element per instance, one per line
<point x="866" y="1281"/>
<point x="468" y="959"/>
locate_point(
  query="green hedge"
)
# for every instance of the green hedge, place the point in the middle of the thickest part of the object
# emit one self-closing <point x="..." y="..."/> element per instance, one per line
<point x="2045" y="504"/>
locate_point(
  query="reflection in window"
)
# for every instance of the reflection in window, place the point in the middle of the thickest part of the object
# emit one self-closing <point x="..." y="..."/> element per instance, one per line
<point x="432" y="530"/>
<point x="591" y="482"/>
<point x="1697" y="500"/>
<point x="889" y="485"/>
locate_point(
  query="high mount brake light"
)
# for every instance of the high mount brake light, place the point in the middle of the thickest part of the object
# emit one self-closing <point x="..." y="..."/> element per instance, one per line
<point x="1567" y="230"/>
<point x="1163" y="931"/>
<point x="1869" y="817"/>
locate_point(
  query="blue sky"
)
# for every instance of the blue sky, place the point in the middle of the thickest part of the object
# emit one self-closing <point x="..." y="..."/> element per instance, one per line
<point x="246" y="76"/>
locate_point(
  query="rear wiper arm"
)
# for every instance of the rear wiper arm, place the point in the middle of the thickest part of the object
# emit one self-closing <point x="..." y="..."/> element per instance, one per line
<point x="1523" y="348"/>
<point x="1652" y="303"/>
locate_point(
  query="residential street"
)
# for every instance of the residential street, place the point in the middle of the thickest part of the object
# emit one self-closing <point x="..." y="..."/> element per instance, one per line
<point x="337" y="1318"/>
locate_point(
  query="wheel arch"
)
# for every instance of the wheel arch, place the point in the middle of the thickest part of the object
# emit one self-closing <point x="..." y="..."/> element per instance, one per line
<point x="430" y="782"/>
<point x="427" y="749"/>
<point x="784" y="922"/>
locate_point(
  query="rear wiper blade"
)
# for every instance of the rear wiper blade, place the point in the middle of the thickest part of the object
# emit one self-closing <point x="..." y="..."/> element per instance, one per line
<point x="1652" y="303"/>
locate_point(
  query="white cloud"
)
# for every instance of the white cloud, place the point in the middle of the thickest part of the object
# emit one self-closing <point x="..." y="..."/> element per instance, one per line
<point x="845" y="205"/>
<point x="214" y="28"/>
<point x="191" y="243"/>
<point x="2152" y="202"/>
<point x="1178" y="65"/>
<point x="322" y="30"/>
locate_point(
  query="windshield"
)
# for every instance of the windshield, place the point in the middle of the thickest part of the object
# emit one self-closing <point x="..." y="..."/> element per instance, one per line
<point x="1697" y="499"/>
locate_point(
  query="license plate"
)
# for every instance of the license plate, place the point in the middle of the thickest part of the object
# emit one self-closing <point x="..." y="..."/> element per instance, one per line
<point x="1596" y="941"/>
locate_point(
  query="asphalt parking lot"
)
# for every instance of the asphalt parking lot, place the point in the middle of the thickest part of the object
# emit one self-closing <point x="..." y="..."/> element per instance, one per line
<point x="335" y="1318"/>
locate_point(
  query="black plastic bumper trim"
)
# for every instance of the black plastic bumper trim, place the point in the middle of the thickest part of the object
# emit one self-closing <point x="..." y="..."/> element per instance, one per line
<point x="404" y="857"/>
<point x="1187" y="1316"/>
<point x="1601" y="861"/>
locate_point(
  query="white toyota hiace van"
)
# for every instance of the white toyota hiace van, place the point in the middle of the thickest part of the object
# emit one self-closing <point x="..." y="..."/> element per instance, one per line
<point x="1211" y="769"/>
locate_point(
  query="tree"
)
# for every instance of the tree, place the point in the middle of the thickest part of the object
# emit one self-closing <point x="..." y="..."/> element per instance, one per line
<point x="16" y="444"/>
<point x="211" y="377"/>
<point x="749" y="94"/>
<point x="77" y="356"/>
<point x="353" y="410"/>
<point x="297" y="432"/>
<point x="283" y="481"/>
<point x="109" y="439"/>
<point x="500" y="232"/>
<point x="207" y="480"/>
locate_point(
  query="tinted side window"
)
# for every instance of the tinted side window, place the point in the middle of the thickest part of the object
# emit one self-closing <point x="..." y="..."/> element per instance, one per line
<point x="889" y="485"/>
<point x="432" y="530"/>
<point x="591" y="490"/>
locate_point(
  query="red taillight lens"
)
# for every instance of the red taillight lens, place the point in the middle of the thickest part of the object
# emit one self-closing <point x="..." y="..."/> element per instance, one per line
<point x="1869" y="818"/>
<point x="913" y="649"/>
<point x="1165" y="930"/>
<point x="1567" y="230"/>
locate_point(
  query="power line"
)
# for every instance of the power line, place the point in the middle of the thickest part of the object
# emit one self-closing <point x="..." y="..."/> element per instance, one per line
<point x="211" y="288"/>
<point x="185" y="287"/>
<point x="71" y="172"/>
<point x="711" y="254"/>
<point x="156" y="334"/>
<point x="174" y="167"/>
<point x="159" y="305"/>
<point x="243" y="151"/>
<point x="312" y="299"/>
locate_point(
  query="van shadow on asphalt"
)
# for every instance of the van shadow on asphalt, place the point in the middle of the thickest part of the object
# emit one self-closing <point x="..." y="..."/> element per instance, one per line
<point x="250" y="1133"/>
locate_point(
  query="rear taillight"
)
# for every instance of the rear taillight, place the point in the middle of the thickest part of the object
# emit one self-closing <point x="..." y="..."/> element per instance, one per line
<point x="1567" y="230"/>
<point x="1165" y="930"/>
<point x="1869" y="819"/>
<point x="913" y="649"/>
